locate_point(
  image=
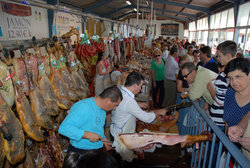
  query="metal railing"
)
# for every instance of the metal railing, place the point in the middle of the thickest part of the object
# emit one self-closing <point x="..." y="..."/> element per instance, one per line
<point x="209" y="153"/>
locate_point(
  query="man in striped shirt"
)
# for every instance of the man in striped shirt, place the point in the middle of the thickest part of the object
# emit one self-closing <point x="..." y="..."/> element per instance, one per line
<point x="226" y="52"/>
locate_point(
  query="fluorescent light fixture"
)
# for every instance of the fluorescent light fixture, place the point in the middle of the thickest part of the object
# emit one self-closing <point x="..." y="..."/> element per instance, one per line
<point x="128" y="2"/>
<point x="135" y="9"/>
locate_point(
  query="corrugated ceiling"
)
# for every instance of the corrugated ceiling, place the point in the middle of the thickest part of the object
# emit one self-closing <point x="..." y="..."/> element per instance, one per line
<point x="178" y="10"/>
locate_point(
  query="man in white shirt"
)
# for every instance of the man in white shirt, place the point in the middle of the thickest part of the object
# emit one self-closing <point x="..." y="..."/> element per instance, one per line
<point x="164" y="49"/>
<point x="171" y="72"/>
<point x="125" y="115"/>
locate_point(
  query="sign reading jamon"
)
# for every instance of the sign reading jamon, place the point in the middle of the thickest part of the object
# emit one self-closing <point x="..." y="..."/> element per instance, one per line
<point x="18" y="20"/>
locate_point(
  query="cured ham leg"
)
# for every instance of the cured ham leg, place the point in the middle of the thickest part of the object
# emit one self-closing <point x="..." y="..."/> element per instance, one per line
<point x="54" y="149"/>
<point x="78" y="83"/>
<point x="81" y="74"/>
<point x="47" y="91"/>
<point x="28" y="120"/>
<point x="29" y="160"/>
<point x="32" y="66"/>
<point x="125" y="143"/>
<point x="48" y="95"/>
<point x="161" y="124"/>
<point x="60" y="90"/>
<point x="164" y="123"/>
<point x="139" y="140"/>
<point x="46" y="64"/>
<point x="6" y="87"/>
<point x="44" y="159"/>
<point x="13" y="146"/>
<point x="66" y="77"/>
<point x="56" y="80"/>
<point x="21" y="73"/>
<point x="40" y="109"/>
<point x="2" y="154"/>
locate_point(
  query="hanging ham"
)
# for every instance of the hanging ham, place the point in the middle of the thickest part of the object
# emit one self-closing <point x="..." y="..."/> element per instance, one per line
<point x="39" y="108"/>
<point x="2" y="154"/>
<point x="54" y="149"/>
<point x="6" y="87"/>
<point x="13" y="142"/>
<point x="29" y="161"/>
<point x="56" y="79"/>
<point x="64" y="72"/>
<point x="32" y="66"/>
<point x="46" y="64"/>
<point x="21" y="73"/>
<point x="78" y="83"/>
<point x="47" y="91"/>
<point x="26" y="116"/>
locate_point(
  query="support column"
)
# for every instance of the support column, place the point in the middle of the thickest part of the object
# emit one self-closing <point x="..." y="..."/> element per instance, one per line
<point x="208" y="21"/>
<point x="51" y="16"/>
<point x="84" y="21"/>
<point x="236" y="12"/>
<point x="196" y="34"/>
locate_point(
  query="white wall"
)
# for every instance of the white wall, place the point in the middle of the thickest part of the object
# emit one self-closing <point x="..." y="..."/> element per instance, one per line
<point x="143" y="24"/>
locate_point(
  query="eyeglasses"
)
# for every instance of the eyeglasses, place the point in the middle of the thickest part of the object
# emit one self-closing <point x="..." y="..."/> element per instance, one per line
<point x="185" y="76"/>
<point x="157" y="55"/>
<point x="235" y="78"/>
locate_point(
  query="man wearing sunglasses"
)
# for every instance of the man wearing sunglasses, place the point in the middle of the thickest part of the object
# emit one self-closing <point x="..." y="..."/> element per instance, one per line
<point x="198" y="78"/>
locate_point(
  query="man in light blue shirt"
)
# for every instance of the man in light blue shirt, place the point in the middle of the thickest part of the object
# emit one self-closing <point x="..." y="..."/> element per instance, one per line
<point x="84" y="125"/>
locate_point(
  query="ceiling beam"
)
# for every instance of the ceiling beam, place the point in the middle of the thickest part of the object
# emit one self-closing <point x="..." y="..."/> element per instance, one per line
<point x="183" y="7"/>
<point x="123" y="15"/>
<point x="176" y="12"/>
<point x="97" y="5"/>
<point x="233" y="1"/>
<point x="116" y="10"/>
<point x="194" y="7"/>
<point x="69" y="4"/>
<point x="173" y="17"/>
<point x="157" y="9"/>
<point x="158" y="14"/>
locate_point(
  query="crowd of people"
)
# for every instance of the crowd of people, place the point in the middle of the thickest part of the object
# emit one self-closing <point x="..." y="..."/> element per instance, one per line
<point x="219" y="84"/>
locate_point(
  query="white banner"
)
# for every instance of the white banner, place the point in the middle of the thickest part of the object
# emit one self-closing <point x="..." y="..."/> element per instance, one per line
<point x="64" y="22"/>
<point x="21" y="22"/>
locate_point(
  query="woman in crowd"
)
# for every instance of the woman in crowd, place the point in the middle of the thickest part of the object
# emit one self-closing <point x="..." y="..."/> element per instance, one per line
<point x="157" y="70"/>
<point x="237" y="100"/>
<point x="101" y="70"/>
